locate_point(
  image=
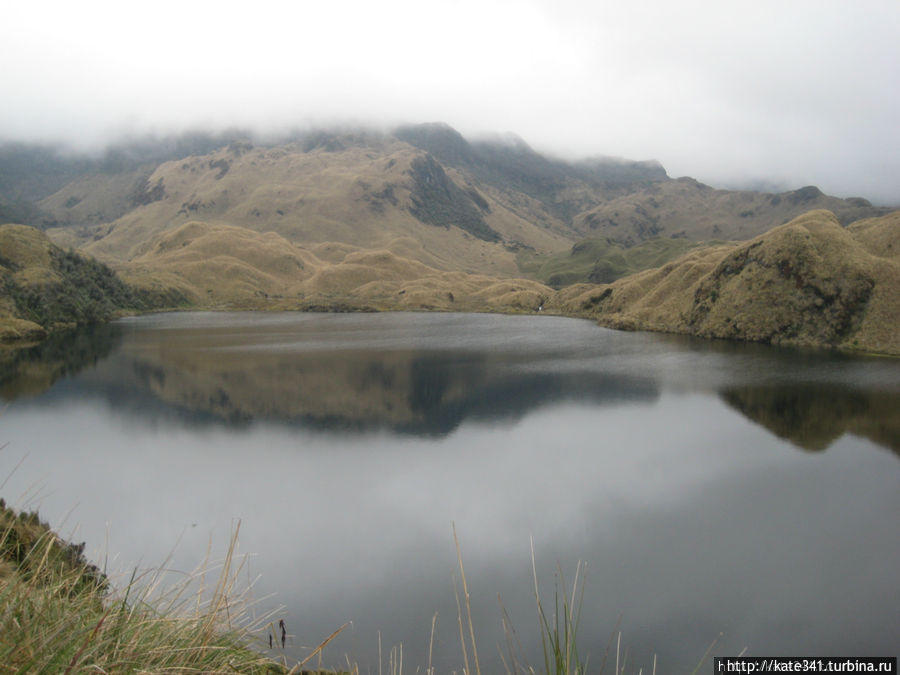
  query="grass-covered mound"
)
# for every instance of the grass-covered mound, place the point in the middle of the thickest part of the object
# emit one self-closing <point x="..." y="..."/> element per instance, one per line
<point x="810" y="282"/>
<point x="60" y="614"/>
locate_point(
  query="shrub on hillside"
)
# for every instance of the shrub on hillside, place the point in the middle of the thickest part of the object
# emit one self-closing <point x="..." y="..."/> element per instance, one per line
<point x="88" y="292"/>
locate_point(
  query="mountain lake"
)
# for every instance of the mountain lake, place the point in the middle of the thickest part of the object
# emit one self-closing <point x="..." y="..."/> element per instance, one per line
<point x="716" y="492"/>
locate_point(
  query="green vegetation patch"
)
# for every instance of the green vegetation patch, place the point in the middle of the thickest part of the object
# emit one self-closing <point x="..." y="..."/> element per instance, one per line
<point x="49" y="287"/>
<point x="88" y="292"/>
<point x="601" y="261"/>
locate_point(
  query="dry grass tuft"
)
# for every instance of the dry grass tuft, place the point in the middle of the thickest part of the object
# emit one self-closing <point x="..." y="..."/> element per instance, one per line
<point x="60" y="614"/>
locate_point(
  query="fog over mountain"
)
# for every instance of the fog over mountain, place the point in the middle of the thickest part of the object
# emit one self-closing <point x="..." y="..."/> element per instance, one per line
<point x="786" y="93"/>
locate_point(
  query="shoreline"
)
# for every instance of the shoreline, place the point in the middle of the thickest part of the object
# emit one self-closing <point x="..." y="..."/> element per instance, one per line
<point x="618" y="323"/>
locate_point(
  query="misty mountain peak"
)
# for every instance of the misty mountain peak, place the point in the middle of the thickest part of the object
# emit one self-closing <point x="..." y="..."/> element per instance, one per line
<point x="439" y="139"/>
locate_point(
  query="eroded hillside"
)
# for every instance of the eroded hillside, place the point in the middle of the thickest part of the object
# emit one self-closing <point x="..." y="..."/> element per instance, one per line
<point x="367" y="192"/>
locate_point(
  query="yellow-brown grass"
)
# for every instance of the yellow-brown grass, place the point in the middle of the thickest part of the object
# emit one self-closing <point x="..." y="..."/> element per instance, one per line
<point x="221" y="265"/>
<point x="24" y="258"/>
<point x="359" y="196"/>
<point x="24" y="247"/>
<point x="809" y="282"/>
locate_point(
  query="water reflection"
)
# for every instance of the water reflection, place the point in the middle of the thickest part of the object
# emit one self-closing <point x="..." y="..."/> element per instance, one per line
<point x="408" y="392"/>
<point x="813" y="417"/>
<point x="32" y="370"/>
<point x="430" y="373"/>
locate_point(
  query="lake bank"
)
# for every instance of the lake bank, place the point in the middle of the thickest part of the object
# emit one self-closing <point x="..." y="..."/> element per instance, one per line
<point x="808" y="283"/>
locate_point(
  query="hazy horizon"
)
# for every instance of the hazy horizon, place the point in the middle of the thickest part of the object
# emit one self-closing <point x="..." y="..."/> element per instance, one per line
<point x="779" y="95"/>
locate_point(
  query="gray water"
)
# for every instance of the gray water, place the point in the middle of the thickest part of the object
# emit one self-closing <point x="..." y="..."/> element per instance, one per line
<point x="715" y="491"/>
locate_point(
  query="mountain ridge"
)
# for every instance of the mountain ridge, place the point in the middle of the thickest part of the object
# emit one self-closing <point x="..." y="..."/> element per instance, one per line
<point x="572" y="198"/>
<point x="422" y="218"/>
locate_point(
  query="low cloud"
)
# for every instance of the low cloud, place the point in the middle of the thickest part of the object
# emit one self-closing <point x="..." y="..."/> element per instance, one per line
<point x="794" y="94"/>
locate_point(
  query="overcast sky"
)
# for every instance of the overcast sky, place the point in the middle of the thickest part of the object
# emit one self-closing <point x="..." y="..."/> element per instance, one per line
<point x="795" y="92"/>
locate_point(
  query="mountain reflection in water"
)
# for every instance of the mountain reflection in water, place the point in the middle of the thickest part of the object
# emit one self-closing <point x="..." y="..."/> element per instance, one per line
<point x="32" y="370"/>
<point x="813" y="417"/>
<point x="201" y="371"/>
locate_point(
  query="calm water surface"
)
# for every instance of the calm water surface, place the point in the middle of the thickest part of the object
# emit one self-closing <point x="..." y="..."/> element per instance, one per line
<point x="716" y="491"/>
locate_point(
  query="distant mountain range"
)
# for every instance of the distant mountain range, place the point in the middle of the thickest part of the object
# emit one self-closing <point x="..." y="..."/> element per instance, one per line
<point x="416" y="218"/>
<point x="356" y="186"/>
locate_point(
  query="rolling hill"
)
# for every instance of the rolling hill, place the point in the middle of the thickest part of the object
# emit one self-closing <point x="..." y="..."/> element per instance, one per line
<point x="227" y="266"/>
<point x="809" y="282"/>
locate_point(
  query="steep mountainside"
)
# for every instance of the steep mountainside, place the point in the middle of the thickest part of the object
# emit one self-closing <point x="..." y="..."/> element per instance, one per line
<point x="809" y="282"/>
<point x="510" y="166"/>
<point x="31" y="172"/>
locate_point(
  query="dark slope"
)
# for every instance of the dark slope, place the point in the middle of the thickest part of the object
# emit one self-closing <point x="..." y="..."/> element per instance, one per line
<point x="510" y="164"/>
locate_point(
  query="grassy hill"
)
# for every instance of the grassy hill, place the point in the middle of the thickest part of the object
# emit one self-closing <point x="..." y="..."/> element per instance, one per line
<point x="220" y="265"/>
<point x="472" y="205"/>
<point x="686" y="208"/>
<point x="367" y="192"/>
<point x="44" y="288"/>
<point x="809" y="282"/>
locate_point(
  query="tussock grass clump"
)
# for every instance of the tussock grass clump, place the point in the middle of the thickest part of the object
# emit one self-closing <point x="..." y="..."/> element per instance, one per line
<point x="558" y="630"/>
<point x="60" y="614"/>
